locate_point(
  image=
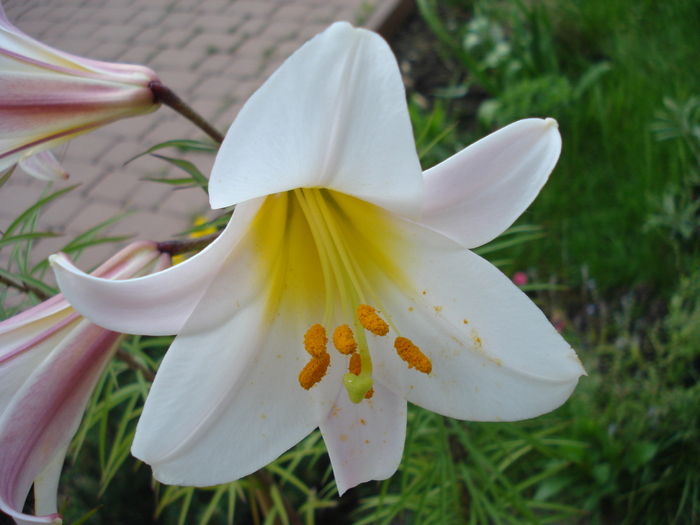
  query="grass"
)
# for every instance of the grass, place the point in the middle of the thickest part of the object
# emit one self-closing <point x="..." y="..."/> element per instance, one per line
<point x="610" y="246"/>
<point x="621" y="217"/>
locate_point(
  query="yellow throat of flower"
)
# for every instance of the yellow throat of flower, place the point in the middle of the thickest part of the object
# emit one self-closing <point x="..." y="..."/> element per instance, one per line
<point x="320" y="246"/>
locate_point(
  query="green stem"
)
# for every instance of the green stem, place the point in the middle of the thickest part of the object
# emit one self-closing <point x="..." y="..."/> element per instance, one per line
<point x="177" y="247"/>
<point x="169" y="98"/>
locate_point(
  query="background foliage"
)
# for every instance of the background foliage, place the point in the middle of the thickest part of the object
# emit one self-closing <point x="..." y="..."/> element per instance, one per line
<point x="611" y="249"/>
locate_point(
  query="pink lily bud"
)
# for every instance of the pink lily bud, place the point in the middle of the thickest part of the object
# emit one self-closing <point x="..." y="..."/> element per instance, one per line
<point x="48" y="97"/>
<point x="51" y="358"/>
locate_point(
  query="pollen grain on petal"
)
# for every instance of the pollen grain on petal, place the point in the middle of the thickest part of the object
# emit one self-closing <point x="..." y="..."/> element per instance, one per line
<point x="412" y="355"/>
<point x="314" y="371"/>
<point x="370" y="320"/>
<point x="315" y="341"/>
<point x="344" y="340"/>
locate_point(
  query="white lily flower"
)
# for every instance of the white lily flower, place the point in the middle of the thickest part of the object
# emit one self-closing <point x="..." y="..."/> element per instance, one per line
<point x="48" y="97"/>
<point x="338" y="235"/>
<point x="50" y="361"/>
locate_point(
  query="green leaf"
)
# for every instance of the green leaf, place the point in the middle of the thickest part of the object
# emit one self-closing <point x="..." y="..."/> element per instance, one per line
<point x="182" y="145"/>
<point x="187" y="167"/>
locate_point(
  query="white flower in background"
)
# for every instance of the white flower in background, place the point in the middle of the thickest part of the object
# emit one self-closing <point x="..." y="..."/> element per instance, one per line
<point x="48" y="97"/>
<point x="50" y="361"/>
<point x="343" y="285"/>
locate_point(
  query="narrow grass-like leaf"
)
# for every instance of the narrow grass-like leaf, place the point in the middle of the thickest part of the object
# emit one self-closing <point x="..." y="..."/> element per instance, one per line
<point x="189" y="168"/>
<point x="37" y="206"/>
<point x="183" y="145"/>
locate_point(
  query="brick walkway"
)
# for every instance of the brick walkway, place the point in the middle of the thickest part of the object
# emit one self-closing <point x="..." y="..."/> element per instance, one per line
<point x="213" y="53"/>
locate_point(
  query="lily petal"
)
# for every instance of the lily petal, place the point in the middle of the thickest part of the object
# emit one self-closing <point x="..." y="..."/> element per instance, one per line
<point x="42" y="418"/>
<point x="476" y="194"/>
<point x="334" y="115"/>
<point x="48" y="97"/>
<point x="494" y="354"/>
<point x="156" y="304"/>
<point x="43" y="166"/>
<point x="235" y="404"/>
<point x="365" y="441"/>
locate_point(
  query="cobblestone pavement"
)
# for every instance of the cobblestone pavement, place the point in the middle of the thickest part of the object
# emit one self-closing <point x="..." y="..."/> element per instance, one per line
<point x="212" y="53"/>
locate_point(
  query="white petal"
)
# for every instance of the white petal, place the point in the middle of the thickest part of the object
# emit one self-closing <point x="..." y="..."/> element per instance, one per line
<point x="43" y="166"/>
<point x="365" y="441"/>
<point x="43" y="416"/>
<point x="24" y="349"/>
<point x="495" y="356"/>
<point x="46" y="483"/>
<point x="226" y="400"/>
<point x="473" y="196"/>
<point x="157" y="304"/>
<point x="334" y="115"/>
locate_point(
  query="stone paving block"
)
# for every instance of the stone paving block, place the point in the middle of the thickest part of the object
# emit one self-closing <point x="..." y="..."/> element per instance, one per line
<point x="89" y="147"/>
<point x="57" y="214"/>
<point x="177" y="21"/>
<point x="144" y="18"/>
<point x="131" y="128"/>
<point x="217" y="24"/>
<point x="150" y="226"/>
<point x="174" y="129"/>
<point x="256" y="47"/>
<point x="210" y="43"/>
<point x="208" y="7"/>
<point x="15" y="202"/>
<point x="311" y="30"/>
<point x="211" y="109"/>
<point x="295" y="13"/>
<point x="216" y="87"/>
<point x="176" y="60"/>
<point x="323" y="15"/>
<point x="118" y="33"/>
<point x="280" y="31"/>
<point x="148" y="196"/>
<point x="181" y="82"/>
<point x="150" y="36"/>
<point x="186" y="202"/>
<point x="143" y="55"/>
<point x="228" y="115"/>
<point x="108" y="51"/>
<point x="252" y="27"/>
<point x="93" y="214"/>
<point x="252" y="8"/>
<point x="111" y="14"/>
<point x="81" y="171"/>
<point x="115" y="188"/>
<point x="215" y="65"/>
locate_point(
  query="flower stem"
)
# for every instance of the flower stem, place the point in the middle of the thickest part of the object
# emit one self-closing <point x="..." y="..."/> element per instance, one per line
<point x="177" y="247"/>
<point x="134" y="365"/>
<point x="169" y="98"/>
<point x="25" y="287"/>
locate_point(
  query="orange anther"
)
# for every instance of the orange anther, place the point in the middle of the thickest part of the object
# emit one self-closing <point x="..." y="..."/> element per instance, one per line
<point x="343" y="340"/>
<point x="314" y="371"/>
<point x="370" y="321"/>
<point x="355" y="366"/>
<point x="315" y="340"/>
<point x="412" y="355"/>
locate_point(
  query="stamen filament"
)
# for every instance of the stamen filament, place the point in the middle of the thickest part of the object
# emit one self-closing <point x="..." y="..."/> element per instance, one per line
<point x="323" y="257"/>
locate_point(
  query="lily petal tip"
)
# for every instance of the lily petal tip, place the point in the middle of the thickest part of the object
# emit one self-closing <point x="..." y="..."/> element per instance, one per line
<point x="550" y="122"/>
